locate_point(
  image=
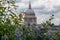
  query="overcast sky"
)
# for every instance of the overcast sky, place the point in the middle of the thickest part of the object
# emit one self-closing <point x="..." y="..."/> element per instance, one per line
<point x="43" y="9"/>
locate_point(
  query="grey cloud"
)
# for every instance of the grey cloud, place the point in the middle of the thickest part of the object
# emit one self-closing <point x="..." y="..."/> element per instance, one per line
<point x="56" y="10"/>
<point x="17" y="1"/>
<point x="45" y="11"/>
<point x="39" y="8"/>
<point x="20" y="1"/>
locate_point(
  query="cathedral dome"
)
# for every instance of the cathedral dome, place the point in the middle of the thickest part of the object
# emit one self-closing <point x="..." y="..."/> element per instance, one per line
<point x="29" y="11"/>
<point x="29" y="17"/>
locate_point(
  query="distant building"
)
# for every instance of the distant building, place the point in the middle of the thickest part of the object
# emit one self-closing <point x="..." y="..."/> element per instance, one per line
<point x="29" y="16"/>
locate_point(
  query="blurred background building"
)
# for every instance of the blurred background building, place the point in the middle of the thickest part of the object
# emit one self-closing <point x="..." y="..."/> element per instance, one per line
<point x="29" y="16"/>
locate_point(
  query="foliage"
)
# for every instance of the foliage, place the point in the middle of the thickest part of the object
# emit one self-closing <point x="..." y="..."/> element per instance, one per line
<point x="8" y="22"/>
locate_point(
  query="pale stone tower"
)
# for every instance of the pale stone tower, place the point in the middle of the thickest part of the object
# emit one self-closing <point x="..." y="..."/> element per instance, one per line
<point x="29" y="17"/>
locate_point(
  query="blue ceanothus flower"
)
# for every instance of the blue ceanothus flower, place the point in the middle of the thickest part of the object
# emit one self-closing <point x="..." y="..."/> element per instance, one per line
<point x="18" y="35"/>
<point x="38" y="31"/>
<point x="51" y="38"/>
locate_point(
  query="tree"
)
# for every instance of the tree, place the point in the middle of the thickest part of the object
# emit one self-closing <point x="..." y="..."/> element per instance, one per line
<point x="8" y="20"/>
